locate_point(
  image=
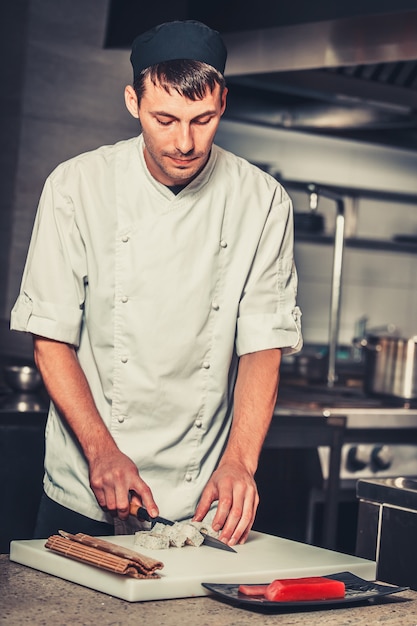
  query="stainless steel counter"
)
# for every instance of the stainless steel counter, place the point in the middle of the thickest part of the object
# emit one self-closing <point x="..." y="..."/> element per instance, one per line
<point x="314" y="416"/>
<point x="31" y="597"/>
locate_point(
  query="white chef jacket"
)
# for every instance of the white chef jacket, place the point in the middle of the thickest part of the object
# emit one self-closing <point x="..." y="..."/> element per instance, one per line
<point x="159" y="293"/>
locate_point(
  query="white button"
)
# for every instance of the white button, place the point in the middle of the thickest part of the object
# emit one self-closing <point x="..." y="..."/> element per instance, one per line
<point x="206" y="365"/>
<point x="188" y="478"/>
<point x="124" y="359"/>
<point x="125" y="238"/>
<point x="215" y="306"/>
<point x="223" y="243"/>
<point x="121" y="419"/>
<point x="198" y="423"/>
<point x="124" y="299"/>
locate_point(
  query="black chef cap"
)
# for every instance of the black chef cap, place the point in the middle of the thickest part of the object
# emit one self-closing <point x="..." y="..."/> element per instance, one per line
<point x="178" y="40"/>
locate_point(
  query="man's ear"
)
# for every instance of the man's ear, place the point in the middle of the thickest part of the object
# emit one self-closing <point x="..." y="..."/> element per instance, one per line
<point x="223" y="100"/>
<point x="131" y="101"/>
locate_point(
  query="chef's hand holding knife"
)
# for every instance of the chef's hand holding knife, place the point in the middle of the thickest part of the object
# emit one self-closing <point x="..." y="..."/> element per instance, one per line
<point x="232" y="485"/>
<point x="113" y="475"/>
<point x="116" y="482"/>
<point x="114" y="478"/>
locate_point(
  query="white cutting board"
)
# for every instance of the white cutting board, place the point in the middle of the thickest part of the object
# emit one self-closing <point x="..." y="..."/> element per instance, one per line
<point x="261" y="559"/>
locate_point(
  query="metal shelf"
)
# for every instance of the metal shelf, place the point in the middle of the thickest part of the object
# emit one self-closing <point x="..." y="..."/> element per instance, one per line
<point x="359" y="243"/>
<point x="407" y="247"/>
<point x="354" y="192"/>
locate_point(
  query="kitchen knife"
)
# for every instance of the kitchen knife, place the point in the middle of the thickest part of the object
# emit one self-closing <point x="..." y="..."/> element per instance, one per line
<point x="142" y="514"/>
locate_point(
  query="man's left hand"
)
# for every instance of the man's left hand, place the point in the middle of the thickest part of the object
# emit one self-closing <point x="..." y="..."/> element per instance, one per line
<point x="234" y="487"/>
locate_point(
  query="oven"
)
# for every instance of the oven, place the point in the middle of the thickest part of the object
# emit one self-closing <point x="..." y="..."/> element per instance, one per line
<point x="380" y="449"/>
<point x="371" y="449"/>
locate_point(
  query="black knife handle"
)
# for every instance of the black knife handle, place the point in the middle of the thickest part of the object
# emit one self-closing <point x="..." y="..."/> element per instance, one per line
<point x="143" y="516"/>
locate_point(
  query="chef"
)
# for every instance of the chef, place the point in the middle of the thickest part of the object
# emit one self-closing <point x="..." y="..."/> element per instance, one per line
<point x="160" y="290"/>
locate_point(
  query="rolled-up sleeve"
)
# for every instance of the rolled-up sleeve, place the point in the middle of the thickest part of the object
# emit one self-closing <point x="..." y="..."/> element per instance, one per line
<point x="52" y="293"/>
<point x="268" y="314"/>
<point x="263" y="332"/>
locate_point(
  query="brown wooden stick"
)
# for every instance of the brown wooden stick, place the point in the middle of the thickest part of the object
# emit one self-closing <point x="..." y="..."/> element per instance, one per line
<point x="146" y="563"/>
<point x="104" y="559"/>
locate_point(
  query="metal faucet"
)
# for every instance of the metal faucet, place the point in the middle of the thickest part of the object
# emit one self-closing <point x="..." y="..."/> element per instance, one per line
<point x="336" y="287"/>
<point x="314" y="200"/>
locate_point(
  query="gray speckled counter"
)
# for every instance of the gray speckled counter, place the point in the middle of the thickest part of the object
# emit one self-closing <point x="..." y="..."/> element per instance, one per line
<point x="31" y="597"/>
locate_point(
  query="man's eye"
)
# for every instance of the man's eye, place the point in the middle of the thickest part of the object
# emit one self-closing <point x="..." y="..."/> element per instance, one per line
<point x="203" y="121"/>
<point x="164" y="122"/>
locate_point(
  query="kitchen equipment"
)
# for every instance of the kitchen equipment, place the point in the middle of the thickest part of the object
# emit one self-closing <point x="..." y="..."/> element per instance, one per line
<point x="311" y="364"/>
<point x="309" y="221"/>
<point x="22" y="451"/>
<point x="24" y="378"/>
<point x="387" y="527"/>
<point x="373" y="444"/>
<point x="262" y="558"/>
<point x="23" y="391"/>
<point x="103" y="554"/>
<point x="316" y="225"/>
<point x="379" y="439"/>
<point x="390" y="367"/>
<point x="142" y="514"/>
<point x="21" y="402"/>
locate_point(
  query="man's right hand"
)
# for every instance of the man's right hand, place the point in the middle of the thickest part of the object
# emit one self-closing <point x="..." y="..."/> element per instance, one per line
<point x="113" y="478"/>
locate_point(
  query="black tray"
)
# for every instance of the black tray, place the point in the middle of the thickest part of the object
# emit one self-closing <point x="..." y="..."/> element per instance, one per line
<point x="357" y="590"/>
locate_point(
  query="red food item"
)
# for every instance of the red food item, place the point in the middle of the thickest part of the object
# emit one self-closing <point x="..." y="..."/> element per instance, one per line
<point x="299" y="589"/>
<point x="253" y="590"/>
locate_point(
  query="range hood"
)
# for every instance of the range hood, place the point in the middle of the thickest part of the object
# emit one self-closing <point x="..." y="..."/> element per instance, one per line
<point x="354" y="77"/>
<point x="345" y="68"/>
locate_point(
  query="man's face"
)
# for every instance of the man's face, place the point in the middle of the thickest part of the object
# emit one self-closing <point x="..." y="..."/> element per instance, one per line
<point x="178" y="132"/>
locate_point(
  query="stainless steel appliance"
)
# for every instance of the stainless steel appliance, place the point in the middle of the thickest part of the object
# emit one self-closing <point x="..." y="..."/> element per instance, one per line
<point x="391" y="366"/>
<point x="379" y="438"/>
<point x="387" y="526"/>
<point x="372" y="455"/>
<point x="23" y="416"/>
<point x="372" y="420"/>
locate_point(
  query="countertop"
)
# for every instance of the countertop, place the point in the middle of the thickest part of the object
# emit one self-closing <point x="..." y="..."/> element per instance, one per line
<point x="31" y="597"/>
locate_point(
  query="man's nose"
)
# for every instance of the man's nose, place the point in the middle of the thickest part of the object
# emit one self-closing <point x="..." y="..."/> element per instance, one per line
<point x="185" y="140"/>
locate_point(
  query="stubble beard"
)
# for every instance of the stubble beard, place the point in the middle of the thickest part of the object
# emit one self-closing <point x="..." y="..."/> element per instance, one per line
<point x="160" y="163"/>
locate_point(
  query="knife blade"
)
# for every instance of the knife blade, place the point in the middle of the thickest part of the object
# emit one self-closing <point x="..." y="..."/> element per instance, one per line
<point x="142" y="514"/>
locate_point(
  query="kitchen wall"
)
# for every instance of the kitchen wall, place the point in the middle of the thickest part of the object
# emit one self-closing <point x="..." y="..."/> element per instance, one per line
<point x="72" y="100"/>
<point x="379" y="284"/>
<point x="13" y="24"/>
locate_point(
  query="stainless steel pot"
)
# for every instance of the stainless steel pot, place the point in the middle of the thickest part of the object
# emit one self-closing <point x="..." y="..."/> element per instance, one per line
<point x="390" y="367"/>
<point x="24" y="378"/>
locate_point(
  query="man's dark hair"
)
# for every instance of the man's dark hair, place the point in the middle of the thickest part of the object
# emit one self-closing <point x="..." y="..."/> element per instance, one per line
<point x="189" y="78"/>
